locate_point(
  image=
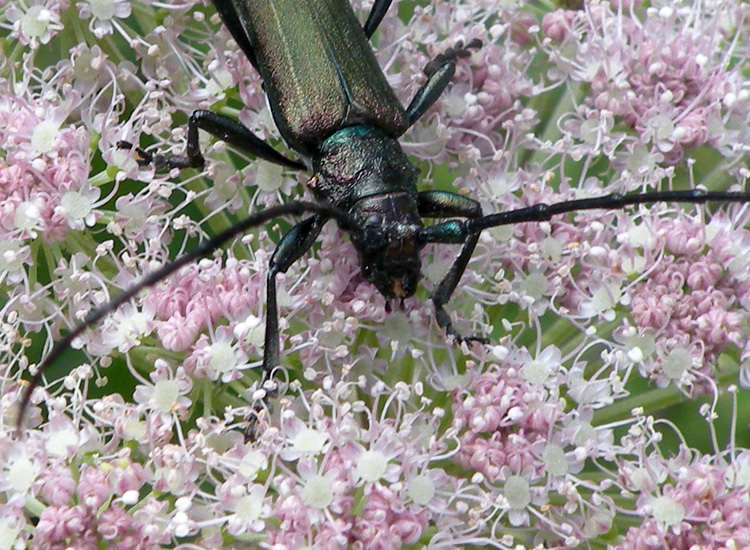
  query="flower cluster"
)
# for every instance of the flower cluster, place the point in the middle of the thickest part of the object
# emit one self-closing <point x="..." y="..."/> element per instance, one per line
<point x="154" y="430"/>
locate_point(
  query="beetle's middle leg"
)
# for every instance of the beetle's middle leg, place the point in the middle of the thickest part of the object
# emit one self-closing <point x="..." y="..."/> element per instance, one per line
<point x="443" y="204"/>
<point x="224" y="128"/>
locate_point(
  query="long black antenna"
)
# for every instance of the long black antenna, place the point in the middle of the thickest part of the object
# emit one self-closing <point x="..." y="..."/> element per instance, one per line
<point x="203" y="249"/>
<point x="616" y="201"/>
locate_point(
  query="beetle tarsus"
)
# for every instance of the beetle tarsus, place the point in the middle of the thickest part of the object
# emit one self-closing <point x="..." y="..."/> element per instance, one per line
<point x="143" y="158"/>
<point x="258" y="413"/>
<point x="451" y="55"/>
<point x="473" y="339"/>
<point x="222" y="127"/>
<point x="261" y="408"/>
<point x="439" y="71"/>
<point x="444" y="321"/>
<point x="161" y="163"/>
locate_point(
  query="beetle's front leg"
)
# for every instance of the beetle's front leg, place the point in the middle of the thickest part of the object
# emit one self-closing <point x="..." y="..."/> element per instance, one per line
<point x="224" y="128"/>
<point x="290" y="249"/>
<point x="442" y="204"/>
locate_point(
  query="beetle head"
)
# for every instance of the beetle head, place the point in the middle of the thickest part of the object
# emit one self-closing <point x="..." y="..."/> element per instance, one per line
<point x="387" y="241"/>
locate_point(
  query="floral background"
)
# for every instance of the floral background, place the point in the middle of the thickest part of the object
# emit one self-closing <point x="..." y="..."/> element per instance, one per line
<point x="608" y="409"/>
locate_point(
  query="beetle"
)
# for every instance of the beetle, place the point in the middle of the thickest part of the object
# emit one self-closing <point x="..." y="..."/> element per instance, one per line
<point x="334" y="108"/>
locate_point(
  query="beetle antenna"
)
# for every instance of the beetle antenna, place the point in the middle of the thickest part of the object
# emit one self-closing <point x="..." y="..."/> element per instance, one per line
<point x="616" y="201"/>
<point x="202" y="250"/>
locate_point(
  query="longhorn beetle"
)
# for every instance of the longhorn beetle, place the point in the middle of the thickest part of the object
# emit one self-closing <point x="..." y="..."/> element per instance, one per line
<point x="334" y="108"/>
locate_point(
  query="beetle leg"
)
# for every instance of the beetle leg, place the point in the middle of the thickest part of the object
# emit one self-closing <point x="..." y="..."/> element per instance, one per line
<point x="451" y="55"/>
<point x="204" y="249"/>
<point x="439" y="71"/>
<point x="291" y="248"/>
<point x="443" y="204"/>
<point x="378" y="11"/>
<point x="228" y="12"/>
<point x="222" y="127"/>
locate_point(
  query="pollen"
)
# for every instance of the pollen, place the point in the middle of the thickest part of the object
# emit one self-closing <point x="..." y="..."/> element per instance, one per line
<point x="76" y="205"/>
<point x="166" y="393"/>
<point x="517" y="492"/>
<point x="310" y="441"/>
<point x="249" y="507"/>
<point x="27" y="216"/>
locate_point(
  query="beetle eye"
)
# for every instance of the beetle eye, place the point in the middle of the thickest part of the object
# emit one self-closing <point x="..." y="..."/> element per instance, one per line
<point x="373" y="221"/>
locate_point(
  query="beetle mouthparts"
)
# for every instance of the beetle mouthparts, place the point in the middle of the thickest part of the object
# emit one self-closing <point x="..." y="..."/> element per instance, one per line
<point x="389" y="307"/>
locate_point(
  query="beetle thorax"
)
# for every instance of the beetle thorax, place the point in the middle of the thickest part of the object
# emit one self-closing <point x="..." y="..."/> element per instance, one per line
<point x="360" y="162"/>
